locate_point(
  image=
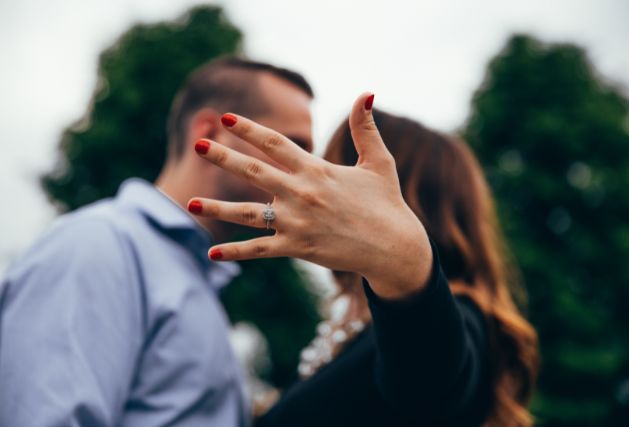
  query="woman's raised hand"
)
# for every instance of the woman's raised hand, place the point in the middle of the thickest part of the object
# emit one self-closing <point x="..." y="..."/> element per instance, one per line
<point x="344" y="218"/>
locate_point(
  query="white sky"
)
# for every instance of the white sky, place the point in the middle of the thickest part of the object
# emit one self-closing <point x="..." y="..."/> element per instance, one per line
<point x="422" y="58"/>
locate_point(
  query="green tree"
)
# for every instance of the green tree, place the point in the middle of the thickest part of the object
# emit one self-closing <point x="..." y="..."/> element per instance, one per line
<point x="123" y="134"/>
<point x="553" y="137"/>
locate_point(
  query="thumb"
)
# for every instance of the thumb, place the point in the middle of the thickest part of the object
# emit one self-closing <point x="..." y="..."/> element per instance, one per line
<point x="367" y="140"/>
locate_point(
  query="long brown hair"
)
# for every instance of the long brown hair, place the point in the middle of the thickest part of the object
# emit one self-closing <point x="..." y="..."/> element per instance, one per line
<point x="444" y="185"/>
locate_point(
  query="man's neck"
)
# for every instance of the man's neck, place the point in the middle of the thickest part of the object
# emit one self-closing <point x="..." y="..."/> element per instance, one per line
<point x="172" y="186"/>
<point x="174" y="183"/>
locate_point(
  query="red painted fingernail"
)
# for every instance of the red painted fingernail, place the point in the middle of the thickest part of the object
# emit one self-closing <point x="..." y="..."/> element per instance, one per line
<point x="195" y="207"/>
<point x="369" y="102"/>
<point x="216" y="254"/>
<point x="202" y="146"/>
<point x="228" y="120"/>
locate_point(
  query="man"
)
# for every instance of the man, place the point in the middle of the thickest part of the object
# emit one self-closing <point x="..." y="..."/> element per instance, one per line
<point x="112" y="318"/>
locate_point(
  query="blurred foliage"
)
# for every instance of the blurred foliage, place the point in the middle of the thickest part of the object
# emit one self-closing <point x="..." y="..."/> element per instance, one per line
<point x="553" y="137"/>
<point x="123" y="134"/>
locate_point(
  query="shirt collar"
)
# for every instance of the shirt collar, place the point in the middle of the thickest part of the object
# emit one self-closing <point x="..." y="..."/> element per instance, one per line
<point x="156" y="206"/>
<point x="169" y="218"/>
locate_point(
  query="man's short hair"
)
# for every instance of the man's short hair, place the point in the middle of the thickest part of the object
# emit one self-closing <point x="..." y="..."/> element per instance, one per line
<point x="226" y="84"/>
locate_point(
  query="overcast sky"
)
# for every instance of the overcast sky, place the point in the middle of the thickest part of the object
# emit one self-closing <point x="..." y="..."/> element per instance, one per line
<point x="422" y="59"/>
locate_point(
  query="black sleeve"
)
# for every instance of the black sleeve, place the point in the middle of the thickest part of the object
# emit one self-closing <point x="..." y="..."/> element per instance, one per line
<point x="423" y="362"/>
<point x="431" y="362"/>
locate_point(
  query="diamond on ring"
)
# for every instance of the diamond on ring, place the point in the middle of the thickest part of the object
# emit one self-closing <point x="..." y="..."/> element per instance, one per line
<point x="268" y="214"/>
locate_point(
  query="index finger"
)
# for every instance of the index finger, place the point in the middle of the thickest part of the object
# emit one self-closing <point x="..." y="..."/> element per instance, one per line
<point x="272" y="143"/>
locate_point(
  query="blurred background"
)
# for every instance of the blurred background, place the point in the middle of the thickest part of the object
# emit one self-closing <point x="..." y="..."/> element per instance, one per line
<point x="538" y="88"/>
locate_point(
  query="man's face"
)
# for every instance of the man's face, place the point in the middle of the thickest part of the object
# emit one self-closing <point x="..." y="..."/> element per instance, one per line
<point x="288" y="114"/>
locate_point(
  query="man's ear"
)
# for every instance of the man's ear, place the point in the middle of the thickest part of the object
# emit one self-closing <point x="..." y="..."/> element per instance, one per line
<point x="203" y="124"/>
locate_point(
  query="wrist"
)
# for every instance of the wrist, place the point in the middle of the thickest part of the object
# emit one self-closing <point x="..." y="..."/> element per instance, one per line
<point x="405" y="270"/>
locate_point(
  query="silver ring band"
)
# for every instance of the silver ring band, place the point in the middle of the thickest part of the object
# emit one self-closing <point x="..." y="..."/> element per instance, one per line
<point x="268" y="214"/>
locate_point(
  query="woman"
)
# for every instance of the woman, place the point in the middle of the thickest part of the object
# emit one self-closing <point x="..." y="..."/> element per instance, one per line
<point x="429" y="358"/>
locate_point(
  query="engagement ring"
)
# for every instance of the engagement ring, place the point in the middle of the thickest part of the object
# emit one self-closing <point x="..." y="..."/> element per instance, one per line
<point x="268" y="214"/>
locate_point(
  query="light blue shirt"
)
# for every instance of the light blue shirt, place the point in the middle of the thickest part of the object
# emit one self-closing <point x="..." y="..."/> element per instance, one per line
<point x="112" y="319"/>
